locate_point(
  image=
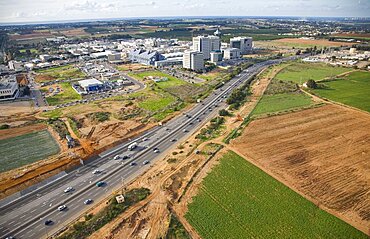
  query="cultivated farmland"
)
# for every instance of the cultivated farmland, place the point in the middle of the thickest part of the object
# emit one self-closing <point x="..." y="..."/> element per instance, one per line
<point x="26" y="149"/>
<point x="281" y="102"/>
<point x="353" y="90"/>
<point x="302" y="72"/>
<point x="322" y="152"/>
<point x="238" y="200"/>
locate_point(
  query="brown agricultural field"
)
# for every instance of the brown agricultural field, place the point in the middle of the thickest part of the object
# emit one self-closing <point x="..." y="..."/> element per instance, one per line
<point x="322" y="153"/>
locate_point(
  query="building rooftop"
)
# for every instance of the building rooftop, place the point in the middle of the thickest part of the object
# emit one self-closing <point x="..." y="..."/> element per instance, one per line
<point x="89" y="82"/>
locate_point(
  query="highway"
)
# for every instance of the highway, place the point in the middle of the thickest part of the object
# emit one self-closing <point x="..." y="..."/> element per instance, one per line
<point x="25" y="217"/>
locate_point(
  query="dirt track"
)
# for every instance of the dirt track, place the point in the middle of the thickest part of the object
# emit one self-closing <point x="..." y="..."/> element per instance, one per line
<point x="323" y="153"/>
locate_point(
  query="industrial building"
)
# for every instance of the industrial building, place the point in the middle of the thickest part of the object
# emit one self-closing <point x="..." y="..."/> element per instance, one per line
<point x="91" y="84"/>
<point x="169" y="62"/>
<point x="193" y="60"/>
<point x="206" y="44"/>
<point x="244" y="44"/>
<point x="9" y="89"/>
<point x="145" y="57"/>
<point x="231" y="53"/>
<point x="114" y="57"/>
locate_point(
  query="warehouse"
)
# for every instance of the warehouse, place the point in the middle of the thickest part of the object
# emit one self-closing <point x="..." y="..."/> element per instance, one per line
<point x="91" y="84"/>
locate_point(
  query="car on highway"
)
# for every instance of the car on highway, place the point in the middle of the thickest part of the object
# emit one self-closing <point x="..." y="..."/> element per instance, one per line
<point x="185" y="130"/>
<point x="10" y="237"/>
<point x="62" y="207"/>
<point x="67" y="190"/>
<point x="156" y="150"/>
<point x="146" y="162"/>
<point x="132" y="164"/>
<point x="125" y="157"/>
<point x="117" y="157"/>
<point x="145" y="139"/>
<point x="100" y="184"/>
<point x="96" y="171"/>
<point x="173" y="140"/>
<point x="88" y="201"/>
<point x="48" y="222"/>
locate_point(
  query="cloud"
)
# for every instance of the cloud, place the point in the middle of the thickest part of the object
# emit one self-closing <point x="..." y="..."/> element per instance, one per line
<point x="90" y="6"/>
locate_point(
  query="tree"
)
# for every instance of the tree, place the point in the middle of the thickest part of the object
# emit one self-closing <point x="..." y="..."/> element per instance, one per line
<point x="311" y="84"/>
<point x="224" y="112"/>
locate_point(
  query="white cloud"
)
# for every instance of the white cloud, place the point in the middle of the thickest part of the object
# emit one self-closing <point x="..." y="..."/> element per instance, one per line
<point x="90" y="6"/>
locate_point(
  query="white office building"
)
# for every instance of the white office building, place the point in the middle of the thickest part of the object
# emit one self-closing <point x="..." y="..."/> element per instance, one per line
<point x="244" y="44"/>
<point x="231" y="53"/>
<point x="9" y="89"/>
<point x="193" y="60"/>
<point x="206" y="44"/>
<point x="15" y="65"/>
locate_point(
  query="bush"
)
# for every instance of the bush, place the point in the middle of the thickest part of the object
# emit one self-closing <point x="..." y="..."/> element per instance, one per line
<point x="224" y="112"/>
<point x="4" y="126"/>
<point x="311" y="84"/>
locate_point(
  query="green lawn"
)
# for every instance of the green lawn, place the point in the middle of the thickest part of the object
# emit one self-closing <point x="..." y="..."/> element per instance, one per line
<point x="301" y="72"/>
<point x="281" y="102"/>
<point x="238" y="200"/>
<point x="68" y="95"/>
<point x="353" y="90"/>
<point x="32" y="50"/>
<point x="25" y="149"/>
<point x="171" y="82"/>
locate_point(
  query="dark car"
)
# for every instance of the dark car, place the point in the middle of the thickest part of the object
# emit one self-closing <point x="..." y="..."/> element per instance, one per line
<point x="48" y="222"/>
<point x="100" y="184"/>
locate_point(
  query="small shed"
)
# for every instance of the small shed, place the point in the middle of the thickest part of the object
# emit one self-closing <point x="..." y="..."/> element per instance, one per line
<point x="120" y="199"/>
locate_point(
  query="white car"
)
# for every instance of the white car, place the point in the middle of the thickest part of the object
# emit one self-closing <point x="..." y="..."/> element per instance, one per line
<point x="62" y="207"/>
<point x="96" y="171"/>
<point x="69" y="189"/>
<point x="117" y="157"/>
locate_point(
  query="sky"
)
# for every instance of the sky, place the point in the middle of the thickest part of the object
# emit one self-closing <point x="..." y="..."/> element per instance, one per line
<point x="55" y="10"/>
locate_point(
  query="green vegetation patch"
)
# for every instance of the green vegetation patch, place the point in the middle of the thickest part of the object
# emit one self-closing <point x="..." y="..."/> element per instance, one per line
<point x="170" y="82"/>
<point x="176" y="230"/>
<point x="67" y="95"/>
<point x="212" y="130"/>
<point x="239" y="200"/>
<point x="26" y="149"/>
<point x="281" y="102"/>
<point x="301" y="72"/>
<point x="95" y="222"/>
<point x="60" y="73"/>
<point x="353" y="90"/>
<point x="158" y="102"/>
<point x="99" y="116"/>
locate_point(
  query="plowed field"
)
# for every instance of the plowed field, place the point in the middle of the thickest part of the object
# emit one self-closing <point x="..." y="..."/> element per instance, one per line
<point x="323" y="153"/>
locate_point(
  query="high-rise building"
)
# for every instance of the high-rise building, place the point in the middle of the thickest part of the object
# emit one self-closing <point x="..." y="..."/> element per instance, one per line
<point x="216" y="56"/>
<point x="206" y="44"/>
<point x="193" y="60"/>
<point x="244" y="44"/>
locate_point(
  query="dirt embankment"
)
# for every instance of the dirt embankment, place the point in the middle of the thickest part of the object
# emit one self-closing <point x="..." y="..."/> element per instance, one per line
<point x="323" y="153"/>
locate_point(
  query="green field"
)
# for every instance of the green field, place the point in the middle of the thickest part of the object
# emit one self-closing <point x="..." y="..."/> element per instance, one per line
<point x="353" y="90"/>
<point x="61" y="72"/>
<point x="171" y="82"/>
<point x="281" y="102"/>
<point x="301" y="72"/>
<point x="25" y="149"/>
<point x="68" y="94"/>
<point x="238" y="200"/>
<point x="157" y="103"/>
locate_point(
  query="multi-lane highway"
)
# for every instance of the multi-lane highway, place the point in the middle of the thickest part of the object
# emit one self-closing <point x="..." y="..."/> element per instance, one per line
<point x="25" y="217"/>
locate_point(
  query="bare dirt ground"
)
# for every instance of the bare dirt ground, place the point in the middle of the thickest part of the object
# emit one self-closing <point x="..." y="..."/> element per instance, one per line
<point x="12" y="108"/>
<point x="323" y="153"/>
<point x="13" y="132"/>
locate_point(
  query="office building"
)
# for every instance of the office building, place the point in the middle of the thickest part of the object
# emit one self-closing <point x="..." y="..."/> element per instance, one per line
<point x="216" y="56"/>
<point x="193" y="60"/>
<point x="91" y="84"/>
<point x="206" y="44"/>
<point x="231" y="53"/>
<point x="9" y="89"/>
<point x="145" y="57"/>
<point x="244" y="44"/>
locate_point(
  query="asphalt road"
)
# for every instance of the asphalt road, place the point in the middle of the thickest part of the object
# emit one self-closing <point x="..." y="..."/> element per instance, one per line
<point x="25" y="217"/>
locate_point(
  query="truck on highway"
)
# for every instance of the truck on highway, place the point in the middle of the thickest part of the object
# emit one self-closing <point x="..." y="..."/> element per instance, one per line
<point x="132" y="146"/>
